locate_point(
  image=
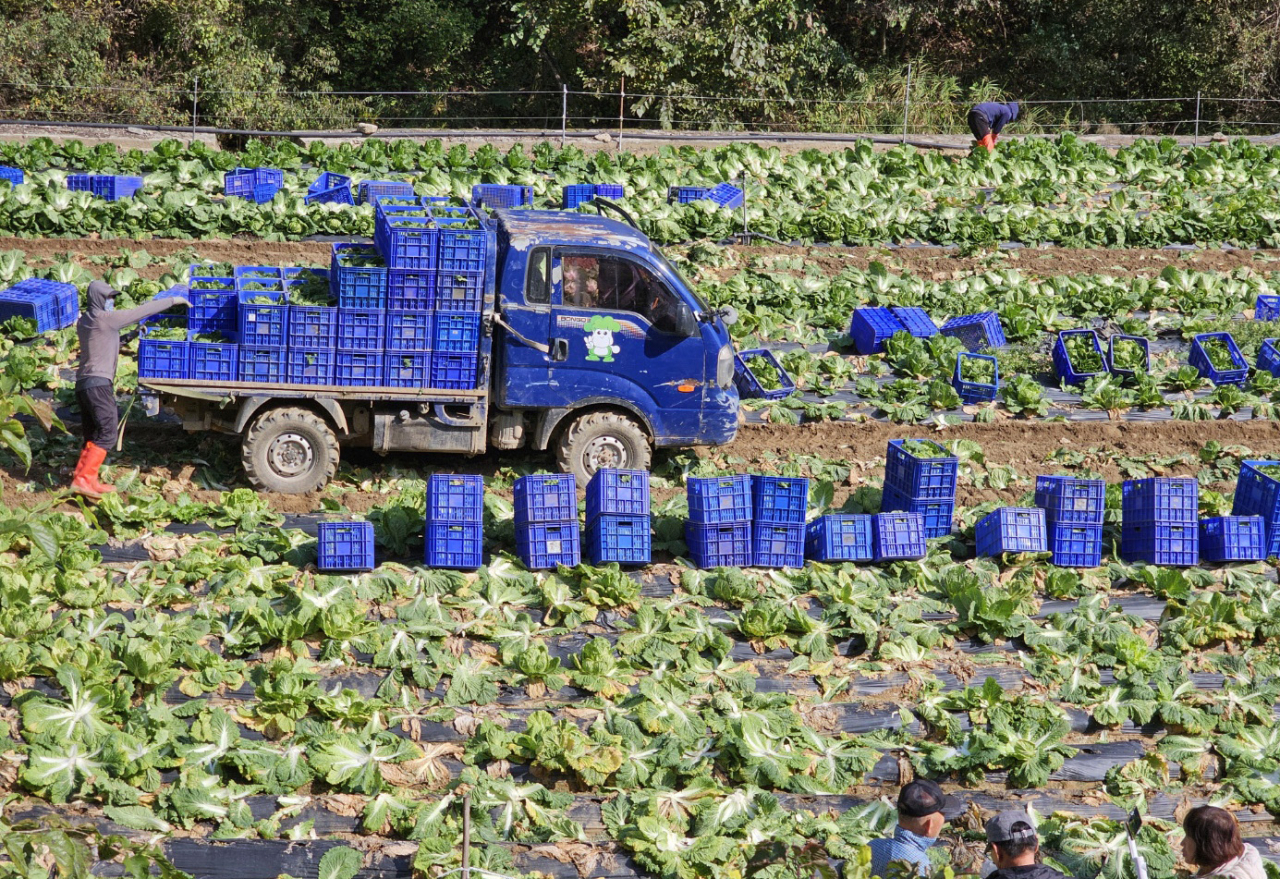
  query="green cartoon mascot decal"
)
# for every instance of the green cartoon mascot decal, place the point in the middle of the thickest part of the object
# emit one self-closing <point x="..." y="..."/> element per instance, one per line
<point x="600" y="330"/>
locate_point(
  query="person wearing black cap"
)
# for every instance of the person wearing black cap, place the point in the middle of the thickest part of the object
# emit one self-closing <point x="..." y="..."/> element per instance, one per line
<point x="1014" y="845"/>
<point x="922" y="810"/>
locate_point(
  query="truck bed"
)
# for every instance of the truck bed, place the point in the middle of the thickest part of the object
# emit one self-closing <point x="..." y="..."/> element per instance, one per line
<point x="206" y="390"/>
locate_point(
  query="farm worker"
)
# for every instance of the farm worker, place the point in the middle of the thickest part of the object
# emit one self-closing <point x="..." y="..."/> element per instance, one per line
<point x="99" y="332"/>
<point x="1213" y="846"/>
<point x="922" y="810"/>
<point x="1013" y="845"/>
<point x="988" y="119"/>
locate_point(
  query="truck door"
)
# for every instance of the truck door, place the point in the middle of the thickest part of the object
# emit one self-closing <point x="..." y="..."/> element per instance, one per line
<point x="613" y="329"/>
<point x="528" y="369"/>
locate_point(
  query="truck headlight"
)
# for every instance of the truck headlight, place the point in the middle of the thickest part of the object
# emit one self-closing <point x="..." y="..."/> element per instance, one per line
<point x="724" y="367"/>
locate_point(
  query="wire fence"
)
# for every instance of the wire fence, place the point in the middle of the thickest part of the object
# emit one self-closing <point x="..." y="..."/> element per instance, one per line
<point x="567" y="110"/>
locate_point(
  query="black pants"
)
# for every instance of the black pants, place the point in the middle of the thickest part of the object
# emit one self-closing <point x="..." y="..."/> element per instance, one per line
<point x="979" y="125"/>
<point x="99" y="417"/>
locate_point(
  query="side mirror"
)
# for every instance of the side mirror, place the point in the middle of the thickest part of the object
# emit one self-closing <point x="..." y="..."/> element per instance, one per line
<point x="686" y="321"/>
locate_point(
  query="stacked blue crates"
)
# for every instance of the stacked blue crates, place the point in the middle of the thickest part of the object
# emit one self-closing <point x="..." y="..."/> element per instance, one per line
<point x="311" y="337"/>
<point x="921" y="485"/>
<point x="1258" y="494"/>
<point x="547" y="532"/>
<point x="455" y="521"/>
<point x="261" y="327"/>
<point x="1161" y="523"/>
<point x="358" y="281"/>
<point x="51" y="304"/>
<point x="345" y="546"/>
<point x="718" y="532"/>
<point x="1073" y="511"/>
<point x="1011" y="530"/>
<point x="778" y="506"/>
<point x="258" y="185"/>
<point x="618" y="518"/>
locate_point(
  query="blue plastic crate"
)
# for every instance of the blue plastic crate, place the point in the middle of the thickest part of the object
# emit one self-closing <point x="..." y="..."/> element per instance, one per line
<point x="976" y="331"/>
<point x="975" y="392"/>
<point x="310" y="367"/>
<point x="840" y="538"/>
<point x="455" y="497"/>
<point x="213" y="311"/>
<point x="580" y="193"/>
<point x="361" y="369"/>
<point x="345" y="546"/>
<point x="295" y="276"/>
<point x="915" y="321"/>
<point x="1067" y="500"/>
<point x="405" y="369"/>
<point x="898" y="537"/>
<point x="256" y="274"/>
<point x="719" y="500"/>
<point x="456" y="332"/>
<point x="372" y="190"/>
<point x="462" y="250"/>
<point x="1236" y="375"/>
<point x="329" y="187"/>
<point x="410" y="289"/>
<point x="933" y="478"/>
<point x="548" y="544"/>
<point x="406" y="242"/>
<point x="313" y="327"/>
<point x="1067" y="373"/>
<point x="938" y="514"/>
<point x="777" y="545"/>
<point x="1011" y="529"/>
<point x="33" y="305"/>
<point x="618" y="493"/>
<point x="409" y="330"/>
<point x="261" y="364"/>
<point x="780" y="499"/>
<point x="726" y="545"/>
<point x="263" y="326"/>
<point x="163" y="358"/>
<point x="1160" y="544"/>
<point x="1075" y="546"/>
<point x="13" y="175"/>
<point x="459" y="291"/>
<point x="255" y="184"/>
<point x="361" y="329"/>
<point x="1169" y="500"/>
<point x="1111" y="353"/>
<point x="111" y="187"/>
<point x="453" y="372"/>
<point x="546" y="497"/>
<point x="1269" y="357"/>
<point x="1258" y="494"/>
<point x="623" y="539"/>
<point x="354" y="280"/>
<point x="458" y="545"/>
<point x="610" y="190"/>
<point x="1267" y="306"/>
<point x="502" y="195"/>
<point x="1233" y="539"/>
<point x="726" y="195"/>
<point x="687" y="194"/>
<point x="748" y="384"/>
<point x="871" y="327"/>
<point x="214" y="361"/>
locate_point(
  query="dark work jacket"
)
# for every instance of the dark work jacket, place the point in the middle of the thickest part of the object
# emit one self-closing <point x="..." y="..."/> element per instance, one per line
<point x="1031" y="871"/>
<point x="998" y="115"/>
<point x="99" y="332"/>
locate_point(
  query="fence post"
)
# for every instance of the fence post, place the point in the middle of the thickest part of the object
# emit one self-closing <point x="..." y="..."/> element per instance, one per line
<point x="906" y="104"/>
<point x="622" y="96"/>
<point x="1195" y="141"/>
<point x="195" y="105"/>
<point x="466" y="836"/>
<point x="564" y="113"/>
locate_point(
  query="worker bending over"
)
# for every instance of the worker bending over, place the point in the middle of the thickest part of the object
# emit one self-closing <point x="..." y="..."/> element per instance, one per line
<point x="987" y="120"/>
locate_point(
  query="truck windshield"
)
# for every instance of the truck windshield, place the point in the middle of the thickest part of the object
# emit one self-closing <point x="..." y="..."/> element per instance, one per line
<point x="666" y="263"/>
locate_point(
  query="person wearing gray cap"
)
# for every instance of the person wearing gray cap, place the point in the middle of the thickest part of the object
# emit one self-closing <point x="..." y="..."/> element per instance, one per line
<point x="1014" y="845"/>
<point x="922" y="810"/>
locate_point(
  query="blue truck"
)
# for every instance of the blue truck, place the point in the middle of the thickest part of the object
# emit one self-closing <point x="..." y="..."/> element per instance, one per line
<point x="591" y="345"/>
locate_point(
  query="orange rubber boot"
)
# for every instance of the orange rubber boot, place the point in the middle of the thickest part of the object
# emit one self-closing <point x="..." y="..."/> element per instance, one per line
<point x="989" y="141"/>
<point x="86" y="481"/>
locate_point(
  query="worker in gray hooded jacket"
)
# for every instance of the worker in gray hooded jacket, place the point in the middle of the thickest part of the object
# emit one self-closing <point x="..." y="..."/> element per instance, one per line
<point x="99" y="331"/>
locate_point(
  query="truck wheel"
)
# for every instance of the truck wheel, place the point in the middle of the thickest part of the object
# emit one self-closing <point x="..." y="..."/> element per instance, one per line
<point x="601" y="440"/>
<point x="292" y="451"/>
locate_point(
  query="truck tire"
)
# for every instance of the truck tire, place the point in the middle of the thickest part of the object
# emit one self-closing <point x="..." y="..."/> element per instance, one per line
<point x="601" y="440"/>
<point x="292" y="451"/>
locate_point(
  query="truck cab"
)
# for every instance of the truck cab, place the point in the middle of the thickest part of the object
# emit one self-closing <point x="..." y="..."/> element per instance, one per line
<point x="592" y="345"/>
